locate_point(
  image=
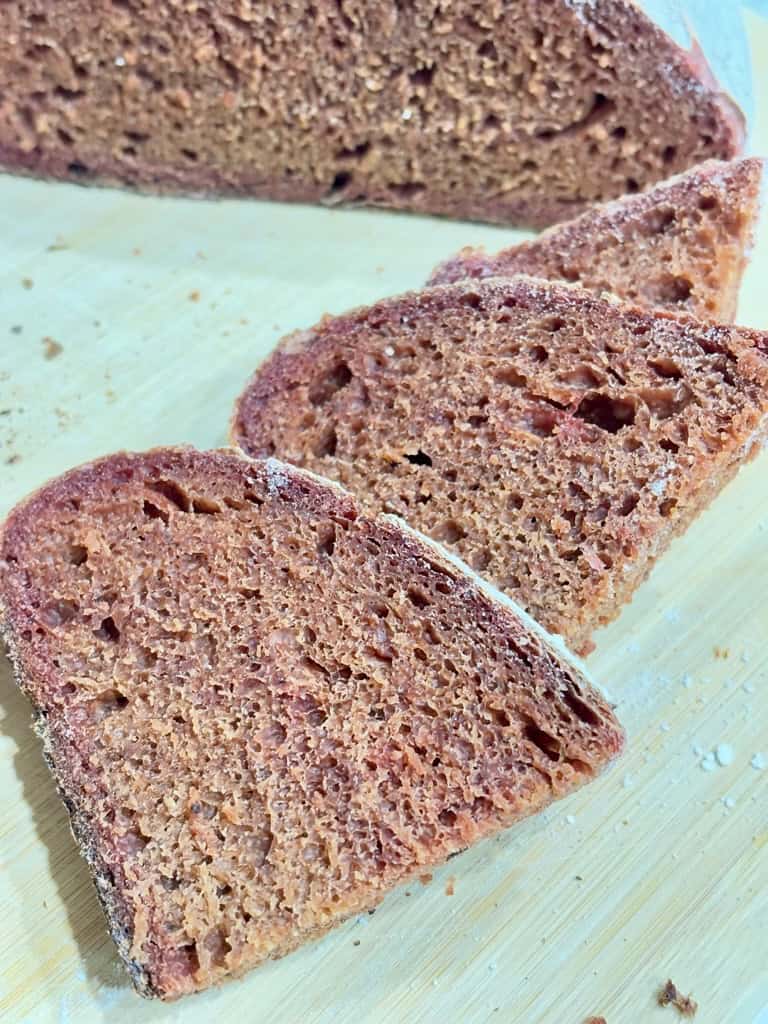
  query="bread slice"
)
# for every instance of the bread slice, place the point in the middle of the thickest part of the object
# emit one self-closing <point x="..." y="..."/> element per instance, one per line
<point x="681" y="246"/>
<point x="555" y="440"/>
<point x="265" y="709"/>
<point x="519" y="112"/>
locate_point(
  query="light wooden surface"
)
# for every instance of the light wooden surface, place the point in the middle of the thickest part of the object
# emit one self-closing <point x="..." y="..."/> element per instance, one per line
<point x="162" y="308"/>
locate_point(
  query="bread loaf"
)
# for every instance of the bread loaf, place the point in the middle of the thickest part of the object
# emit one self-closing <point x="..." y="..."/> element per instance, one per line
<point x="519" y="112"/>
<point x="265" y="709"/>
<point x="682" y="245"/>
<point x="555" y="440"/>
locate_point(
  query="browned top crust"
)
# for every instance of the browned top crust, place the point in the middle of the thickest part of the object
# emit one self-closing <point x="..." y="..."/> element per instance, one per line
<point x="263" y="708"/>
<point x="524" y="111"/>
<point x="681" y="246"/>
<point x="555" y="440"/>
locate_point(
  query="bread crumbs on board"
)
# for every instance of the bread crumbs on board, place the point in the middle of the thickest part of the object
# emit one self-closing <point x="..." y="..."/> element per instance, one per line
<point x="51" y="348"/>
<point x="670" y="995"/>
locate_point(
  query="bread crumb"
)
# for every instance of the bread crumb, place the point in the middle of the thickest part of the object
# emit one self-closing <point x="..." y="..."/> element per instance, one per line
<point x="449" y="886"/>
<point x="58" y="246"/>
<point x="729" y="802"/>
<point x="721" y="652"/>
<point x="27" y="282"/>
<point x="13" y="459"/>
<point x="17" y="329"/>
<point x="194" y="296"/>
<point x="356" y="942"/>
<point x="759" y="762"/>
<point x="425" y="879"/>
<point x="570" y="819"/>
<point x="670" y="995"/>
<point x="595" y="1020"/>
<point x="136" y="252"/>
<point x="52" y="348"/>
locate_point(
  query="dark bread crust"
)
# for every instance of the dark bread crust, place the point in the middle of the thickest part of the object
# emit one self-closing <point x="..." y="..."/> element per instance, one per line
<point x="535" y="368"/>
<point x="117" y="915"/>
<point x="470" y="113"/>
<point x="595" y="740"/>
<point x="683" y="245"/>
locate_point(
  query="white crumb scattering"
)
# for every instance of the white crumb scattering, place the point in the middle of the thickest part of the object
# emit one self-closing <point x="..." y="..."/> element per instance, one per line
<point x="628" y="782"/>
<point x="697" y="751"/>
<point x="493" y="967"/>
<point x="759" y="762"/>
<point x="725" y="754"/>
<point x="729" y="802"/>
<point x="745" y="657"/>
<point x="434" y="983"/>
<point x="658" y="487"/>
<point x="276" y="476"/>
<point x="389" y="350"/>
<point x="119" y="62"/>
<point x="407" y="114"/>
<point x="665" y="727"/>
<point x="687" y="680"/>
<point x="748" y="687"/>
<point x="570" y="819"/>
<point x="672" y="615"/>
<point x="708" y="762"/>
<point x="633" y="647"/>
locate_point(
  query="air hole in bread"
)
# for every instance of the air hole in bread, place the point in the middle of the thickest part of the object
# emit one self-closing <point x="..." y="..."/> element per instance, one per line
<point x="674" y="289"/>
<point x="511" y="377"/>
<point x="108" y="703"/>
<point x="546" y="743"/>
<point x="326" y="445"/>
<point x="108" y="630"/>
<point x="538" y="354"/>
<point x="77" y="554"/>
<point x="326" y="539"/>
<point x="419" y="459"/>
<point x="336" y="379"/>
<point x="59" y="613"/>
<point x="605" y="412"/>
<point x="665" y="367"/>
<point x="448" y="532"/>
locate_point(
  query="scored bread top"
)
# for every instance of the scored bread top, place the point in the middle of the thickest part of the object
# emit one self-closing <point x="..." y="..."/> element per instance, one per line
<point x="682" y="245"/>
<point x="264" y="708"/>
<point x="555" y="440"/>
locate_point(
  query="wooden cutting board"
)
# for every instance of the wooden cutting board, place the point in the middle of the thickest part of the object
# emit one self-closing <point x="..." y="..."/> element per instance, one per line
<point x="128" y="322"/>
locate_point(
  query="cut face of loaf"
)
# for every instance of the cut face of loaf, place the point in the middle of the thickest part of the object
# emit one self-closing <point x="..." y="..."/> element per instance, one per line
<point x="681" y="246"/>
<point x="264" y="709"/>
<point x="518" y="112"/>
<point x="555" y="440"/>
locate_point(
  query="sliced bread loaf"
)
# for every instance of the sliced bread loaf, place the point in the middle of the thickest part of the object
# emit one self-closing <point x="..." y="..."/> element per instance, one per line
<point x="682" y="246"/>
<point x="264" y="709"/>
<point x="556" y="440"/>
<point x="525" y="111"/>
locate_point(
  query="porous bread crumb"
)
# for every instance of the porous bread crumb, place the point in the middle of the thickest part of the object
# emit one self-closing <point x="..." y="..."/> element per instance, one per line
<point x="264" y="708"/>
<point x="681" y="246"/>
<point x="523" y="112"/>
<point x="522" y="441"/>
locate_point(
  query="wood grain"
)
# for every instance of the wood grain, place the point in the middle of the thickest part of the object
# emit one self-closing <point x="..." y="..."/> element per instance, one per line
<point x="161" y="309"/>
